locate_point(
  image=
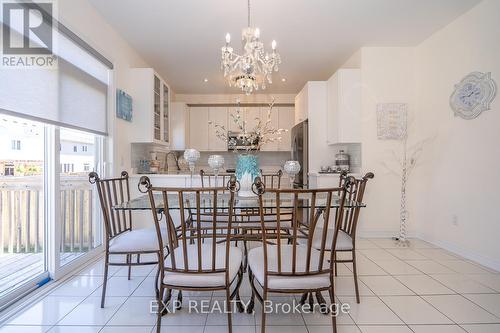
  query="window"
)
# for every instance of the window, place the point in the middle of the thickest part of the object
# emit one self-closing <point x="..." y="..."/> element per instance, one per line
<point x="22" y="202"/>
<point x="16" y="145"/>
<point x="60" y="198"/>
<point x="81" y="231"/>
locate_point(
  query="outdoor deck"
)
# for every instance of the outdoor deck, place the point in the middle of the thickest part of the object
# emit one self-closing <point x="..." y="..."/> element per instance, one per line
<point x="18" y="267"/>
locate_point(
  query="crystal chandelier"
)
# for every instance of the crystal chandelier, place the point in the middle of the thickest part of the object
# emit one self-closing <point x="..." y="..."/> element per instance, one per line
<point x="254" y="68"/>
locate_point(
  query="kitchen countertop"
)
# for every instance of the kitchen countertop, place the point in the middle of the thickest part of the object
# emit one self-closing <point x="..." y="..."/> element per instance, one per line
<point x="317" y="174"/>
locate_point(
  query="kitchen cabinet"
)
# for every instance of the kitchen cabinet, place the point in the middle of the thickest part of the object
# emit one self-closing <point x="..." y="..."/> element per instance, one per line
<point x="201" y="126"/>
<point x="281" y="117"/>
<point x="286" y="121"/>
<point x="271" y="146"/>
<point x="179" y="125"/>
<point x="151" y="107"/>
<point x="198" y="128"/>
<point x="343" y="121"/>
<point x="251" y="115"/>
<point x="219" y="116"/>
<point x="301" y="105"/>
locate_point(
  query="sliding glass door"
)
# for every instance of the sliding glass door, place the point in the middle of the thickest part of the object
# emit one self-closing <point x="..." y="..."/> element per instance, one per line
<point x="23" y="223"/>
<point x="53" y="122"/>
<point x="81" y="228"/>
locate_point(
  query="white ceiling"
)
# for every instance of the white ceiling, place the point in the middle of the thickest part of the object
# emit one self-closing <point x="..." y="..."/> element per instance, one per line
<point x="181" y="39"/>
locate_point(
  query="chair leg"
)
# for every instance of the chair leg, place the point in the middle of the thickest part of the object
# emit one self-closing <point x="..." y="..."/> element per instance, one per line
<point x="303" y="298"/>
<point x="263" y="313"/>
<point x="355" y="273"/>
<point x="335" y="262"/>
<point x="105" y="282"/>
<point x="161" y="309"/>
<point x="334" y="315"/>
<point x="321" y="302"/>
<point x="229" y="310"/>
<point x="157" y="277"/>
<point x="129" y="261"/>
<point x="178" y="305"/>
<point x="251" y="303"/>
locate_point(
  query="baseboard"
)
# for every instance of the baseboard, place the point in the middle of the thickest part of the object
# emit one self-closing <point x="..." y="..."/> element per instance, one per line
<point x="449" y="246"/>
<point x="468" y="254"/>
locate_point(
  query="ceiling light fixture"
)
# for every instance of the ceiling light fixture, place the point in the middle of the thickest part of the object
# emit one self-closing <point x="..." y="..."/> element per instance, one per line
<point x="205" y="80"/>
<point x="254" y="68"/>
<point x="283" y="80"/>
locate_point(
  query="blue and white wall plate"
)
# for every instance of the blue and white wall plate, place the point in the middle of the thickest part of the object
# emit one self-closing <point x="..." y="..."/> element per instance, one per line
<point x="473" y="95"/>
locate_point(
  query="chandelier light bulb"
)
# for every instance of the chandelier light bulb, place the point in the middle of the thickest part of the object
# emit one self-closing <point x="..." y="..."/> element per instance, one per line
<point x="228" y="38"/>
<point x="273" y="44"/>
<point x="257" y="33"/>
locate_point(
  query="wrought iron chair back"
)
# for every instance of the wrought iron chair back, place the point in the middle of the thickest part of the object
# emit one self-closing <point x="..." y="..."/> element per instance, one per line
<point x="113" y="191"/>
<point x="320" y="202"/>
<point x="192" y="202"/>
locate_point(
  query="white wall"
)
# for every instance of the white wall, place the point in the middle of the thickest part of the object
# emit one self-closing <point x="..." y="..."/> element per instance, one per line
<point x="387" y="76"/>
<point x="453" y="193"/>
<point x="460" y="175"/>
<point x="85" y="21"/>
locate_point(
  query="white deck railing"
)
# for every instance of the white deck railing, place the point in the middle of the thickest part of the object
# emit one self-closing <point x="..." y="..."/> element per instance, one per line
<point x="22" y="228"/>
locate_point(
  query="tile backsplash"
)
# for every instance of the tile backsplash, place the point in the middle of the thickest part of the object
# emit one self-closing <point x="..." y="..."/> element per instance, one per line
<point x="269" y="161"/>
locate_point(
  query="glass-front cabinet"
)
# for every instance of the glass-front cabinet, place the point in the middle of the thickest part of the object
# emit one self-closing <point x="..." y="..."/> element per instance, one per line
<point x="150" y="107"/>
<point x="166" y="113"/>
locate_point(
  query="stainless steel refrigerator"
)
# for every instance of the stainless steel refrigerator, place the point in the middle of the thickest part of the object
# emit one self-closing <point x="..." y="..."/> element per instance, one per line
<point x="300" y="153"/>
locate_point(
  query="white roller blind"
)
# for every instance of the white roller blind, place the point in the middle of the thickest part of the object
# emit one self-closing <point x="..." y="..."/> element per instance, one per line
<point x="72" y="95"/>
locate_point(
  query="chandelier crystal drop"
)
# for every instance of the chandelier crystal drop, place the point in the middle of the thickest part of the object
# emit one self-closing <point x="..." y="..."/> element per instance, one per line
<point x="253" y="69"/>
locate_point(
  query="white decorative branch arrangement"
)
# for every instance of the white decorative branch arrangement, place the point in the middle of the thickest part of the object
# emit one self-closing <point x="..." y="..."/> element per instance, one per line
<point x="392" y="124"/>
<point x="256" y="137"/>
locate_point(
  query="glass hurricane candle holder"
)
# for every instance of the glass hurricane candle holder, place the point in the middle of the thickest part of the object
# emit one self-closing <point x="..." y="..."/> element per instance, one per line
<point x="191" y="156"/>
<point x="216" y="162"/>
<point x="292" y="168"/>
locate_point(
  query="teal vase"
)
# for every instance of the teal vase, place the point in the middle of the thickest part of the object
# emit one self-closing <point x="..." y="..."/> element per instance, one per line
<point x="247" y="168"/>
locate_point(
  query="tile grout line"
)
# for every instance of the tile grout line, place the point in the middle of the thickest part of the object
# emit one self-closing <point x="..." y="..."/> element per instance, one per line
<point x="408" y="325"/>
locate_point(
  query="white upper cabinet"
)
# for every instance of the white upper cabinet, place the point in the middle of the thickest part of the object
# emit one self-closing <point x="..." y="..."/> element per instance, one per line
<point x="219" y="116"/>
<point x="271" y="146"/>
<point x="301" y="112"/>
<point x="252" y="113"/>
<point x="201" y="125"/>
<point x="286" y="121"/>
<point x="151" y="107"/>
<point x="343" y="121"/>
<point x="178" y="125"/>
<point x="198" y="128"/>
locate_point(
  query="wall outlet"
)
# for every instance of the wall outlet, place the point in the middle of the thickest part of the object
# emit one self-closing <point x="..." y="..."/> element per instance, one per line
<point x="454" y="220"/>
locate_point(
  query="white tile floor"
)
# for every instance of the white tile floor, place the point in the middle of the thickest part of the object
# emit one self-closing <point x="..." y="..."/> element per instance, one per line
<point x="421" y="289"/>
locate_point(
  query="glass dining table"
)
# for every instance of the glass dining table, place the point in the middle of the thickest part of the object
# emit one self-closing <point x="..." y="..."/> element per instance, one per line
<point x="270" y="201"/>
<point x="243" y="206"/>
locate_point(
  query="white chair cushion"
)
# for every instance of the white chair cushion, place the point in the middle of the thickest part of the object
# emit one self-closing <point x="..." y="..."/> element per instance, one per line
<point x="344" y="241"/>
<point x="256" y="263"/>
<point x="137" y="240"/>
<point x="203" y="279"/>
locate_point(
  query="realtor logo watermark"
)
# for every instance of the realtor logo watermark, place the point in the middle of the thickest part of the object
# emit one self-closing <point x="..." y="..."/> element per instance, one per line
<point x="28" y="35"/>
<point x="269" y="306"/>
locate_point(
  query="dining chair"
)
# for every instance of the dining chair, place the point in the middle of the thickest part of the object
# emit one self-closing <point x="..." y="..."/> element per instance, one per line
<point x="121" y="237"/>
<point x="290" y="263"/>
<point x="250" y="218"/>
<point x="202" y="257"/>
<point x="209" y="179"/>
<point x="346" y="230"/>
<point x="271" y="179"/>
